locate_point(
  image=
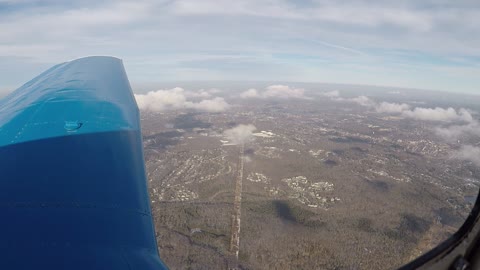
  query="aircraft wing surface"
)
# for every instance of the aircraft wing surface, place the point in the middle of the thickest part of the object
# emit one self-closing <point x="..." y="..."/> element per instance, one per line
<point x="73" y="192"/>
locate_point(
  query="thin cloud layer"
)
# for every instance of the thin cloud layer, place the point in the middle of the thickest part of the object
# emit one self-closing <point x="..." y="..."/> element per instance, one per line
<point x="240" y="134"/>
<point x="276" y="91"/>
<point x="176" y="98"/>
<point x="347" y="13"/>
<point x="331" y="94"/>
<point x="202" y="93"/>
<point x="456" y="132"/>
<point x="469" y="153"/>
<point x="325" y="41"/>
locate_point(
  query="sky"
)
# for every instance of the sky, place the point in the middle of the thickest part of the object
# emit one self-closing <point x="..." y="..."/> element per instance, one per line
<point x="431" y="44"/>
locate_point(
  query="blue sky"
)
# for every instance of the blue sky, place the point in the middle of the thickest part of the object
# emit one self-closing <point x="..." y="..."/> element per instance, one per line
<point x="434" y="44"/>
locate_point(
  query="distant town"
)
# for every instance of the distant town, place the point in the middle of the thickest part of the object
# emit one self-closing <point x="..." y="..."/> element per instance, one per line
<point x="328" y="179"/>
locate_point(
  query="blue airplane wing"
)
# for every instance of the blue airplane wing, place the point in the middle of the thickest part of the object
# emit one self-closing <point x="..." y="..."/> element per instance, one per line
<point x="73" y="192"/>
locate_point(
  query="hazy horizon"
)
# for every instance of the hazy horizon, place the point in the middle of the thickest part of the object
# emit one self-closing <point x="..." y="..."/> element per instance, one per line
<point x="428" y="45"/>
<point x="199" y="84"/>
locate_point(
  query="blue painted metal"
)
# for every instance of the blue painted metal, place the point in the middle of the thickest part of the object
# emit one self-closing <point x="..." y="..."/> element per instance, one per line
<point x="93" y="91"/>
<point x="73" y="191"/>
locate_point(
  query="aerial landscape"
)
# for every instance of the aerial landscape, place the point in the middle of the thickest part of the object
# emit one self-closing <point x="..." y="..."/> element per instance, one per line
<point x="277" y="134"/>
<point x="307" y="177"/>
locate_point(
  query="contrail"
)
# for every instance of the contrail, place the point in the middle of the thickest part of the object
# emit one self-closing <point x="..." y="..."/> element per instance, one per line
<point x="331" y="45"/>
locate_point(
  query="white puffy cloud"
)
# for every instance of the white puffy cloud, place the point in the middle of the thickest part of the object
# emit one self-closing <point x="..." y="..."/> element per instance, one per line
<point x="394" y="108"/>
<point x="276" y="91"/>
<point x="363" y="101"/>
<point x="439" y="114"/>
<point x="217" y="104"/>
<point x="469" y="153"/>
<point x="426" y="114"/>
<point x="284" y="91"/>
<point x="456" y="123"/>
<point x="360" y="100"/>
<point x="250" y="93"/>
<point x="202" y="93"/>
<point x="162" y="100"/>
<point x="176" y="98"/>
<point x="240" y="134"/>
